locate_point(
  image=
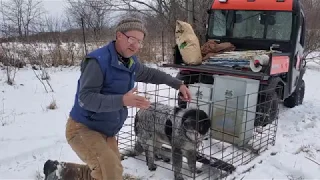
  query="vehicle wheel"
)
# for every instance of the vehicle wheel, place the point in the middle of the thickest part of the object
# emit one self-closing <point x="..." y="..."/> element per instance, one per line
<point x="268" y="109"/>
<point x="296" y="98"/>
<point x="301" y="92"/>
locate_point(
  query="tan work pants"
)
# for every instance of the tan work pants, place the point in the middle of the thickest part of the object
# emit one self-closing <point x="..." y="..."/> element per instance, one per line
<point x="100" y="153"/>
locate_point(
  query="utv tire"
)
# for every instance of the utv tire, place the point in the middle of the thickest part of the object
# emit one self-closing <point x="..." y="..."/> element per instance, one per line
<point x="296" y="98"/>
<point x="268" y="109"/>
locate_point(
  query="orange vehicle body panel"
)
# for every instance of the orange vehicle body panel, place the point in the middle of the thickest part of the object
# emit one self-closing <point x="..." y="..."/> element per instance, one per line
<point x="287" y="5"/>
<point x="280" y="64"/>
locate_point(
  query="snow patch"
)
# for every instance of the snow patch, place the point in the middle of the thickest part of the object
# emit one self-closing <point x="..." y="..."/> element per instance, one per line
<point x="30" y="134"/>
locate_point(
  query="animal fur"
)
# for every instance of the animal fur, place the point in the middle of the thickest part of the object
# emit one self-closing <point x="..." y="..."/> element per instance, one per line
<point x="180" y="128"/>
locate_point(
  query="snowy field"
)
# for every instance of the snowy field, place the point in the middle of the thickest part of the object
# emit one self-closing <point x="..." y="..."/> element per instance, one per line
<point x="30" y="133"/>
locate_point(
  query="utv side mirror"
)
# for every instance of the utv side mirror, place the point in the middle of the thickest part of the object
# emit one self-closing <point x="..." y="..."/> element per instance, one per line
<point x="238" y="18"/>
<point x="267" y="19"/>
<point x="271" y="20"/>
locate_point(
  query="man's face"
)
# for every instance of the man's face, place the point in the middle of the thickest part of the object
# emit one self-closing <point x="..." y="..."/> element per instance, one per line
<point x="130" y="42"/>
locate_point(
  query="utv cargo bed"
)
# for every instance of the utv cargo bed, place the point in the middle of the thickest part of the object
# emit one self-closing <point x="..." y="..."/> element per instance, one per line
<point x="220" y="70"/>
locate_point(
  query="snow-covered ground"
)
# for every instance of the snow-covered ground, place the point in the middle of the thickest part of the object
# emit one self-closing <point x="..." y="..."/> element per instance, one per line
<point x="30" y="133"/>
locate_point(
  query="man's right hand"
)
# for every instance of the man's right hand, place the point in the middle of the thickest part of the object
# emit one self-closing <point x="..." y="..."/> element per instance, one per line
<point x="134" y="100"/>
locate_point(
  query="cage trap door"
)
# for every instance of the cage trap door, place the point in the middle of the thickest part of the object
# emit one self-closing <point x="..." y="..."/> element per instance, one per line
<point x="234" y="109"/>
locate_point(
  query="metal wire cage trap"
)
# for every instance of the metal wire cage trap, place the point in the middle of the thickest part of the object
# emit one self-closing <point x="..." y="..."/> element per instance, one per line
<point x="243" y="123"/>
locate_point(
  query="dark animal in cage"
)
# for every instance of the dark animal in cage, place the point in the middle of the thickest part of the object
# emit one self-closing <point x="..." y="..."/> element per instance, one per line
<point x="182" y="129"/>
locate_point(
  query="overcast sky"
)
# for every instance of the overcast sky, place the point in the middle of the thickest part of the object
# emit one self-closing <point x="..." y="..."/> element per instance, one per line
<point x="57" y="8"/>
<point x="54" y="7"/>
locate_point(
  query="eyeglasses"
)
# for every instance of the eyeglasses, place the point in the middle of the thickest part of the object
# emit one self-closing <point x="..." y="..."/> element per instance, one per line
<point x="133" y="40"/>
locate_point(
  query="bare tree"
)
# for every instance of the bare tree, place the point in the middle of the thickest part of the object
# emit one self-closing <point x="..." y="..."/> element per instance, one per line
<point x="92" y="13"/>
<point x="53" y="24"/>
<point x="22" y="16"/>
<point x="32" y="15"/>
<point x="312" y="14"/>
<point x="201" y="18"/>
<point x="162" y="14"/>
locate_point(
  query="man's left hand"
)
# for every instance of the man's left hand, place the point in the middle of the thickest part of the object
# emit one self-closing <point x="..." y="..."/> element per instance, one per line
<point x="186" y="94"/>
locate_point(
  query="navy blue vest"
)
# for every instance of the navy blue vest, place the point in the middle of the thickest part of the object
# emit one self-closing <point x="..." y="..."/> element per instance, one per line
<point x="118" y="79"/>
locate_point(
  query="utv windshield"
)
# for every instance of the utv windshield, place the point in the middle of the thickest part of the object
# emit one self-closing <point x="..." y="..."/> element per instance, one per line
<point x="250" y="24"/>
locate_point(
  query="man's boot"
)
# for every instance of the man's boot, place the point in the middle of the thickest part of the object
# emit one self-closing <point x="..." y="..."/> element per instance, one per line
<point x="54" y="170"/>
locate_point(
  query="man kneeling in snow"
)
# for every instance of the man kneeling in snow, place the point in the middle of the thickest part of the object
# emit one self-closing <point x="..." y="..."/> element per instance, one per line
<point x="105" y="89"/>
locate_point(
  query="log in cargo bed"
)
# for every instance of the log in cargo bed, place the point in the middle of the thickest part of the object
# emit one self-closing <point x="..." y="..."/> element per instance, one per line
<point x="220" y="70"/>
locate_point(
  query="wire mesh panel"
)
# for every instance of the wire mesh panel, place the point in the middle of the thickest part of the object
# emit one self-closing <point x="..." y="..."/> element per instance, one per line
<point x="228" y="122"/>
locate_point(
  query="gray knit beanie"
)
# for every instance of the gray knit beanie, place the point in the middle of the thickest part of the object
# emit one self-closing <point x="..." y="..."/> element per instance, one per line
<point x="131" y="24"/>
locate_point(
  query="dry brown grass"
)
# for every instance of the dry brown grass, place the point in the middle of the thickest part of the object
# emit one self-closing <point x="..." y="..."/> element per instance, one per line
<point x="131" y="177"/>
<point x="52" y="105"/>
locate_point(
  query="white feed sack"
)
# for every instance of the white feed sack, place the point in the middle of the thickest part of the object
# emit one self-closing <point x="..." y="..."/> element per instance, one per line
<point x="188" y="43"/>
